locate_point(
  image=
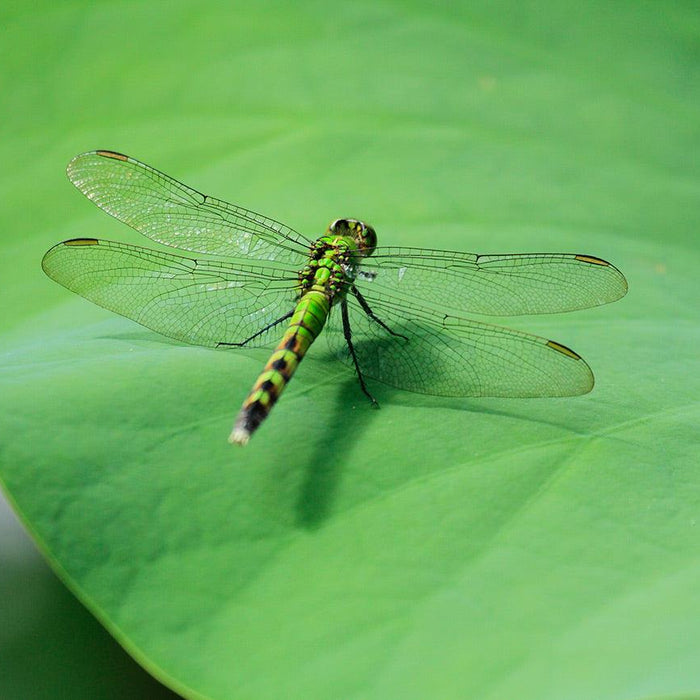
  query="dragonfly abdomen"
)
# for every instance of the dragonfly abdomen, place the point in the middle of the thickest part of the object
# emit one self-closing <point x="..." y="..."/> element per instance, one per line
<point x="307" y="322"/>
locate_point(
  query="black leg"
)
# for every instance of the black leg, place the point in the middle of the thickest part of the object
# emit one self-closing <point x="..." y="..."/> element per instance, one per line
<point x="366" y="308"/>
<point x="260" y="332"/>
<point x="348" y="339"/>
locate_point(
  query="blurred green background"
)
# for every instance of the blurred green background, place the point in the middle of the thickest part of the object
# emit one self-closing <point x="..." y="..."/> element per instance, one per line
<point x="437" y="548"/>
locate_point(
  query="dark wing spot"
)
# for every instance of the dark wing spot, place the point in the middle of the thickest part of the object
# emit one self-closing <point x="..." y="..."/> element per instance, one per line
<point x="82" y="241"/>
<point x="112" y="154"/>
<point x="592" y="260"/>
<point x="563" y="350"/>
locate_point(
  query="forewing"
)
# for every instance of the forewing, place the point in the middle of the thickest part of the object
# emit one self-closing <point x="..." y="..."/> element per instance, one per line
<point x="452" y="356"/>
<point x="169" y="212"/>
<point x="499" y="285"/>
<point x="195" y="301"/>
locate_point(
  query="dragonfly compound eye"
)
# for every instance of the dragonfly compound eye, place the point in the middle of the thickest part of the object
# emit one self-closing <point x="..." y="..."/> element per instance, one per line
<point x="369" y="239"/>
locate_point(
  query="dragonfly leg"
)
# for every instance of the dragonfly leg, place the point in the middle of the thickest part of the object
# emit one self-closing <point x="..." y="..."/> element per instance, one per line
<point x="347" y="332"/>
<point x="368" y="310"/>
<point x="255" y="335"/>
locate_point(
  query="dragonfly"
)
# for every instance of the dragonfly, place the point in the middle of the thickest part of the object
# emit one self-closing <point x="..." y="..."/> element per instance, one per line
<point x="396" y="315"/>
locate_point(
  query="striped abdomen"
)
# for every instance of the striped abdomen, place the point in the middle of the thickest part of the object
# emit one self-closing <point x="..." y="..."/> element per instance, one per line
<point x="307" y="322"/>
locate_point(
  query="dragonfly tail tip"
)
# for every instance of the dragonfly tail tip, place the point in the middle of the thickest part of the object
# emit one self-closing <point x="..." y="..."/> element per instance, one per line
<point x="239" y="436"/>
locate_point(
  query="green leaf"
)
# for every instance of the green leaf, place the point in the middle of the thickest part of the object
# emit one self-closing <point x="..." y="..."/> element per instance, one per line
<point x="437" y="548"/>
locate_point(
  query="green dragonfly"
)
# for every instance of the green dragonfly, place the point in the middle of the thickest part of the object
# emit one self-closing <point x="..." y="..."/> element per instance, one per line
<point x="392" y="314"/>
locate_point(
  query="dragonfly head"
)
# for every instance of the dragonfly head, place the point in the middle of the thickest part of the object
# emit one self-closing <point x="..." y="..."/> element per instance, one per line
<point x="363" y="234"/>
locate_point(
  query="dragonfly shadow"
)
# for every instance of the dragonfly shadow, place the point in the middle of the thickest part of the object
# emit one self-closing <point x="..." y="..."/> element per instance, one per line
<point x="347" y="420"/>
<point x="143" y="337"/>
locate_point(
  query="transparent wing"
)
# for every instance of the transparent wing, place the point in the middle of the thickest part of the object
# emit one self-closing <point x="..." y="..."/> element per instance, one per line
<point x="500" y="285"/>
<point x="169" y="212"/>
<point x="195" y="301"/>
<point x="451" y="356"/>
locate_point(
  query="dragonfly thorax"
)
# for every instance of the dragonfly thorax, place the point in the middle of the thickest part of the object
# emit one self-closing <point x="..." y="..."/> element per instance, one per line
<point x="332" y="266"/>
